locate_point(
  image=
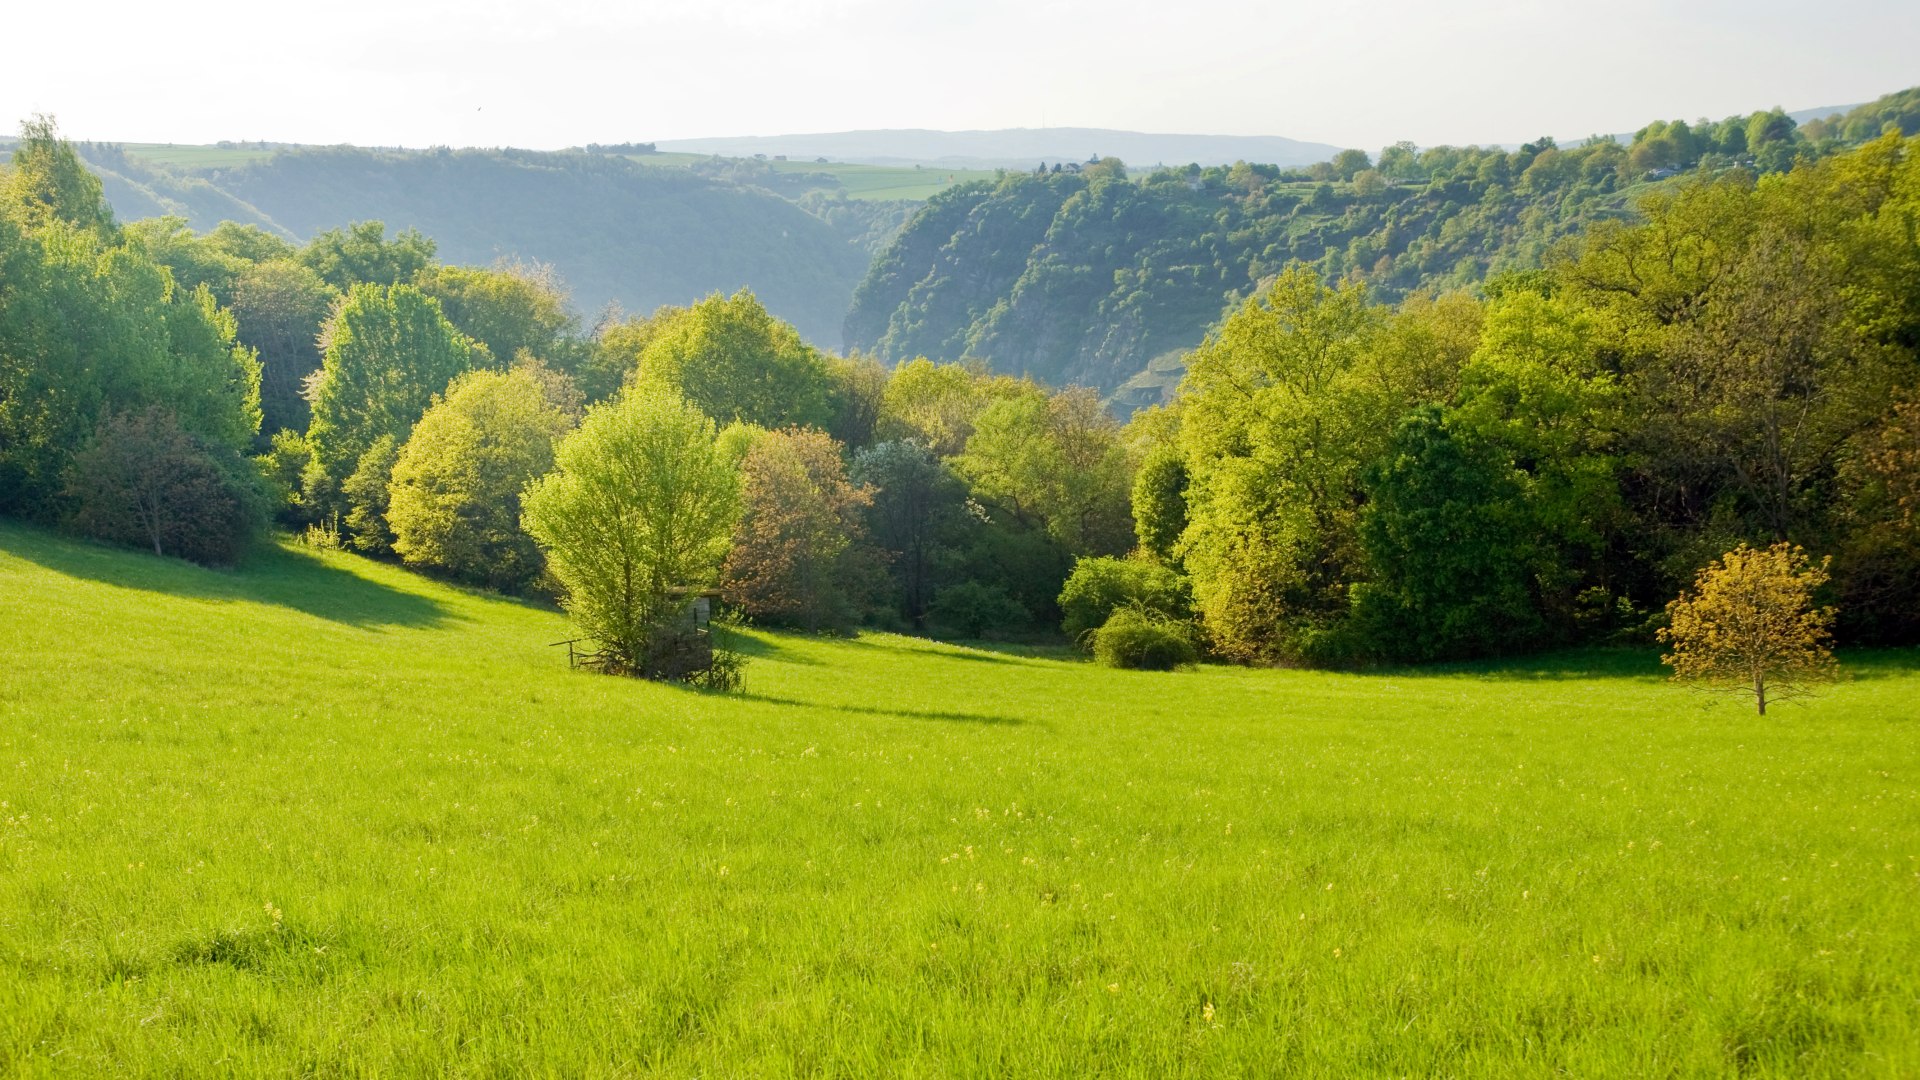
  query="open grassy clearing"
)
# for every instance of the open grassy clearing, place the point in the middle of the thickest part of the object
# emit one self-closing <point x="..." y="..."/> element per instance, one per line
<point x="858" y="181"/>
<point x="179" y="156"/>
<point x="323" y="817"/>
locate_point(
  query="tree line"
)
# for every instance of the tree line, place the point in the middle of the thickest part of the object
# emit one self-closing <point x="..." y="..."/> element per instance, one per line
<point x="1545" y="460"/>
<point x="1104" y="279"/>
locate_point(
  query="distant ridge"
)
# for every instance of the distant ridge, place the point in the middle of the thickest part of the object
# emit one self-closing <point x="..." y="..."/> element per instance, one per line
<point x="1013" y="148"/>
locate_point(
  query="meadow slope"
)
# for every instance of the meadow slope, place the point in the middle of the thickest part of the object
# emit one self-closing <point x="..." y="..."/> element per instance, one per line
<point x="323" y="817"/>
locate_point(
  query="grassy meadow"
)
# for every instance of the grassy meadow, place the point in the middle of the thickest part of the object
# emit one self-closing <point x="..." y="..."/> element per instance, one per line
<point x="321" y="817"/>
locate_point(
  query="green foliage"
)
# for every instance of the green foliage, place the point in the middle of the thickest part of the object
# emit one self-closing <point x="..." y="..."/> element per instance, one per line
<point x="918" y="518"/>
<point x="1077" y="281"/>
<point x="1055" y="462"/>
<point x="733" y="360"/>
<point x="641" y="504"/>
<point x="1447" y="540"/>
<point x="279" y="308"/>
<point x="1281" y="414"/>
<point x="144" y="481"/>
<point x="91" y="327"/>
<point x="1160" y="503"/>
<point x="1100" y="586"/>
<point x="388" y="351"/>
<point x="511" y="310"/>
<point x="361" y="254"/>
<point x="971" y="609"/>
<point x="619" y="232"/>
<point x="48" y="185"/>
<point x="1142" y="639"/>
<point x="799" y="554"/>
<point x="367" y="492"/>
<point x="454" y="503"/>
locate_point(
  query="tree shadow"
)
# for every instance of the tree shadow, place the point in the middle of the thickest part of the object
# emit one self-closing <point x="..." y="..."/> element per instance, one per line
<point x="1569" y="665"/>
<point x="873" y="710"/>
<point x="271" y="574"/>
<point x="1880" y="663"/>
<point x="978" y="652"/>
<point x="758" y="647"/>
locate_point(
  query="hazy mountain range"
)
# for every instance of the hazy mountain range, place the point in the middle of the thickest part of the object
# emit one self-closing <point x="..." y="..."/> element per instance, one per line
<point x="1012" y="148"/>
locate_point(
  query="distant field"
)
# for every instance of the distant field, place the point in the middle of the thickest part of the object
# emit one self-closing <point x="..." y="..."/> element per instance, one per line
<point x="859" y="181"/>
<point x="322" y="817"/>
<point x="193" y="157"/>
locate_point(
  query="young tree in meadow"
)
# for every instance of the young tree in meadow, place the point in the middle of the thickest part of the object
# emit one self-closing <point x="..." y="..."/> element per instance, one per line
<point x="1749" y="625"/>
<point x="799" y="553"/>
<point x="641" y="504"/>
<point x="388" y="351"/>
<point x="454" y="501"/>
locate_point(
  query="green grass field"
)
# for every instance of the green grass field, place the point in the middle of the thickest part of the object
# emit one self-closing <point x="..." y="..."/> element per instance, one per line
<point x="180" y="156"/>
<point x="858" y="181"/>
<point x="320" y="817"/>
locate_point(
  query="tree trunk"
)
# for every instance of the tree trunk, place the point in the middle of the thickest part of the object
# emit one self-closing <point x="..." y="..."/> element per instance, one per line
<point x="1760" y="693"/>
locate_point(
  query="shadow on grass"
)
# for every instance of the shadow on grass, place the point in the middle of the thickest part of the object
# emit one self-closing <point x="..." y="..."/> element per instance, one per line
<point x="1576" y="664"/>
<point x="757" y="647"/>
<point x="874" y="710"/>
<point x="979" y="652"/>
<point x="1885" y="663"/>
<point x="271" y="574"/>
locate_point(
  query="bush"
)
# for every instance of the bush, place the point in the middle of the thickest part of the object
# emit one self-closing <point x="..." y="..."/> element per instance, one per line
<point x="972" y="609"/>
<point x="145" y="482"/>
<point x="1100" y="586"/>
<point x="1137" y="638"/>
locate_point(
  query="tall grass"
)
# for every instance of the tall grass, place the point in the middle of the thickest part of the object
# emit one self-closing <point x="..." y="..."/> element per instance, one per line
<point x="320" y="817"/>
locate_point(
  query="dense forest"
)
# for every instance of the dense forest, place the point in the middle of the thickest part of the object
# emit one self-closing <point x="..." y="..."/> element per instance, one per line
<point x="615" y="231"/>
<point x="1086" y="275"/>
<point x="1347" y="471"/>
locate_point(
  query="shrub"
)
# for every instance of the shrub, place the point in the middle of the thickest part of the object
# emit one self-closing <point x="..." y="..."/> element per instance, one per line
<point x="1099" y="586"/>
<point x="454" y="501"/>
<point x="972" y="608"/>
<point x="637" y="512"/>
<point x="144" y="481"/>
<point x="1134" y="637"/>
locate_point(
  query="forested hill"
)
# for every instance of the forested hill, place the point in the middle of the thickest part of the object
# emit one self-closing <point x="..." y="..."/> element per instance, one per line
<point x="614" y="230"/>
<point x="1093" y="277"/>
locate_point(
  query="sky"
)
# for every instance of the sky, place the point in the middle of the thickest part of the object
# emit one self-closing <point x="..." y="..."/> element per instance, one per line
<point x="558" y="73"/>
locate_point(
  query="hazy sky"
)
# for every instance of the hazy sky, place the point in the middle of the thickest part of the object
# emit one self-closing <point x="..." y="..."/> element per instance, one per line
<point x="554" y="73"/>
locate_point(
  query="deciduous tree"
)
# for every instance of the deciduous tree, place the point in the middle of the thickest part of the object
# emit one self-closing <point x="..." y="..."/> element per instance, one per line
<point x="1749" y="625"/>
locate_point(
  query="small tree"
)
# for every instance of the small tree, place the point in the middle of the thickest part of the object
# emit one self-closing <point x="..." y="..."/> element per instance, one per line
<point x="639" y="507"/>
<point x="799" y="553"/>
<point x="145" y="481"/>
<point x="454" y="503"/>
<point x="1749" y="625"/>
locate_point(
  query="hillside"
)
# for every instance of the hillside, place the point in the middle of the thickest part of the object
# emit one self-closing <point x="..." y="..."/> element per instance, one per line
<point x="1094" y="277"/>
<point x="320" y="816"/>
<point x="1013" y="148"/>
<point x="616" y="231"/>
